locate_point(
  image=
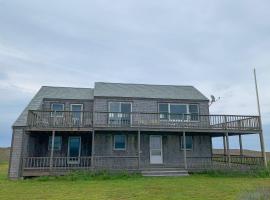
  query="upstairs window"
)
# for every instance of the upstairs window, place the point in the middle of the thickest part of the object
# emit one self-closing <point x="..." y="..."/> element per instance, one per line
<point x="119" y="142"/>
<point x="189" y="143"/>
<point x="57" y="143"/>
<point x="57" y="108"/>
<point x="171" y="111"/>
<point x="119" y="113"/>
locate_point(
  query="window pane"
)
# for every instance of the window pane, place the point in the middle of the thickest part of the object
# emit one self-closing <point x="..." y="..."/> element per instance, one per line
<point x="114" y="107"/>
<point x="125" y="107"/>
<point x="194" y="112"/>
<point x="119" y="142"/>
<point x="57" y="107"/>
<point x="163" y="110"/>
<point x="76" y="107"/>
<point x="57" y="142"/>
<point x="189" y="142"/>
<point x="177" y="111"/>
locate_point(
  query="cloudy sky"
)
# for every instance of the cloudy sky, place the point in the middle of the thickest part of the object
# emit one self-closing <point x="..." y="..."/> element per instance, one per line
<point x="212" y="45"/>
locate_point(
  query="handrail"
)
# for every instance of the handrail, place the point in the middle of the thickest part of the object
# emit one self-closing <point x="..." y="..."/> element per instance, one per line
<point x="87" y="119"/>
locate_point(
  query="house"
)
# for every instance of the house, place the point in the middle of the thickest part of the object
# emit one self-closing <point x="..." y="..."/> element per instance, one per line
<point x="116" y="126"/>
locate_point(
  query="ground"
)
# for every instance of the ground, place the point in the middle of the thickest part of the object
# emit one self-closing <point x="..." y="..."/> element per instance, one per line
<point x="193" y="187"/>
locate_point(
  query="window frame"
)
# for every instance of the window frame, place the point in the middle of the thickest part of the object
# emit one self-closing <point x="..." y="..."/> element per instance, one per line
<point x="119" y="149"/>
<point x="120" y="113"/>
<point x="53" y="112"/>
<point x="182" y="145"/>
<point x="77" y="104"/>
<point x="50" y="142"/>
<point x="187" y="108"/>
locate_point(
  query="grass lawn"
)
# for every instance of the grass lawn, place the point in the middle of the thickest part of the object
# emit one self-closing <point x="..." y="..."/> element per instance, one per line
<point x="193" y="187"/>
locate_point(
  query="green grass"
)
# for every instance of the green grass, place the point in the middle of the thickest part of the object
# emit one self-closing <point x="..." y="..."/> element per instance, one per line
<point x="104" y="186"/>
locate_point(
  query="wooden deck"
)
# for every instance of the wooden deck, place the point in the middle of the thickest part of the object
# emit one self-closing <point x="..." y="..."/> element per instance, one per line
<point x="39" y="120"/>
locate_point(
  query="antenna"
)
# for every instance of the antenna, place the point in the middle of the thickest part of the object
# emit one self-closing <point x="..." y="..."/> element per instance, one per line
<point x="213" y="99"/>
<point x="260" y="120"/>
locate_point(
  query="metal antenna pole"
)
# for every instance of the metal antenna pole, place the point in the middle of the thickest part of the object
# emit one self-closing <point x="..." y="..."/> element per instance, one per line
<point x="260" y="120"/>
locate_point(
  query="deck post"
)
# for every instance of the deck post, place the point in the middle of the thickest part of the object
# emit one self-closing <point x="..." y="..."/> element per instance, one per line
<point x="185" y="150"/>
<point x="228" y="148"/>
<point x="224" y="146"/>
<point x="52" y="150"/>
<point x="263" y="148"/>
<point x="139" y="149"/>
<point x="93" y="151"/>
<point x="241" y="145"/>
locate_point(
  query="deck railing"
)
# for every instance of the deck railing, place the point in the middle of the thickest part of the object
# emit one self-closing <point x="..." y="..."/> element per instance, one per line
<point x="221" y="162"/>
<point x="60" y="119"/>
<point x="56" y="163"/>
<point x="85" y="119"/>
<point x="216" y="162"/>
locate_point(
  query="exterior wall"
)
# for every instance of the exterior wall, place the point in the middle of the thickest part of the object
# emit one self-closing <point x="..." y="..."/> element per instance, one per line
<point x="87" y="104"/>
<point x="101" y="104"/>
<point x="16" y="153"/>
<point x="173" y="155"/>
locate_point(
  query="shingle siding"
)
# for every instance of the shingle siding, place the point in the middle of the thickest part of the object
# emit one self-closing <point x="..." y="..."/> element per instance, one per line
<point x="16" y="153"/>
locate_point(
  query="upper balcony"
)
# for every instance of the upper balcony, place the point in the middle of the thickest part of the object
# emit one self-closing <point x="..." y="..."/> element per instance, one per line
<point x="39" y="120"/>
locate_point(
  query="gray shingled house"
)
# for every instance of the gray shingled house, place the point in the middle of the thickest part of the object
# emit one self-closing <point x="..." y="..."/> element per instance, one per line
<point x="153" y="129"/>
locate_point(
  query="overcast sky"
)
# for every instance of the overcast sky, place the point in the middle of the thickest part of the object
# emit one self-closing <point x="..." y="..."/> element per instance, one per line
<point x="212" y="45"/>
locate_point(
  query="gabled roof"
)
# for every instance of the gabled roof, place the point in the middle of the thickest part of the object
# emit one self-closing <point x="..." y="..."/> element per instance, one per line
<point x="147" y="91"/>
<point x="55" y="93"/>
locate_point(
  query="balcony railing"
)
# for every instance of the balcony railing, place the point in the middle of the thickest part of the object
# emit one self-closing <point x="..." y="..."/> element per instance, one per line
<point x="215" y="162"/>
<point x="60" y="119"/>
<point x="85" y="119"/>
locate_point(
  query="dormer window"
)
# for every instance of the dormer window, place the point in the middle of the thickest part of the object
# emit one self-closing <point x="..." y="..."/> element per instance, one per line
<point x="56" y="109"/>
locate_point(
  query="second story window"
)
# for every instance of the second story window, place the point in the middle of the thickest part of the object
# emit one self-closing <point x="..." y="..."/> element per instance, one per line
<point x="173" y="111"/>
<point x="119" y="113"/>
<point x="57" y="108"/>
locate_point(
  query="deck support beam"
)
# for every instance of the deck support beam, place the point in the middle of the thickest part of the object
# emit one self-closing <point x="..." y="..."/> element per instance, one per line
<point x="224" y="146"/>
<point x="52" y="150"/>
<point x="185" y="150"/>
<point x="139" y="149"/>
<point x="241" y="145"/>
<point x="93" y="151"/>
<point x="228" y="148"/>
<point x="263" y="148"/>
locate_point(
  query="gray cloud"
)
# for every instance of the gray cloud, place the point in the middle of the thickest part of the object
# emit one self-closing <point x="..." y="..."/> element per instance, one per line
<point x="210" y="44"/>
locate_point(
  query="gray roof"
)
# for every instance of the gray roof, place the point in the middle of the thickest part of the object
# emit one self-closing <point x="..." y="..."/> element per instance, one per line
<point x="55" y="93"/>
<point x="148" y="91"/>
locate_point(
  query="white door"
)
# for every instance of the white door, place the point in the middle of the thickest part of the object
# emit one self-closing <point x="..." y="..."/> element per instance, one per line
<point x="156" y="149"/>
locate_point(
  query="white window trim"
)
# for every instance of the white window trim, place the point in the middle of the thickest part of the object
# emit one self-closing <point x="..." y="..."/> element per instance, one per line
<point x="54" y="144"/>
<point x="182" y="145"/>
<point x="78" y="104"/>
<point x="119" y="149"/>
<point x="53" y="112"/>
<point x="126" y="102"/>
<point x="188" y="113"/>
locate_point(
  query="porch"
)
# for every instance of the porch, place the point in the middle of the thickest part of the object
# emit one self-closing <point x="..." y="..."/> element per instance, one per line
<point x="97" y="152"/>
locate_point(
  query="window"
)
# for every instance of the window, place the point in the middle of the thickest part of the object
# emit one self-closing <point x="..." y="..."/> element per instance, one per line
<point x="57" y="108"/>
<point x="119" y="142"/>
<point x="57" y="143"/>
<point x="189" y="142"/>
<point x="76" y="113"/>
<point x="170" y="111"/>
<point x="119" y="113"/>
